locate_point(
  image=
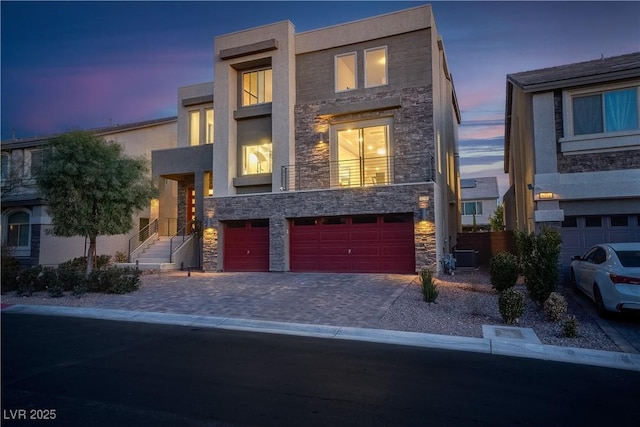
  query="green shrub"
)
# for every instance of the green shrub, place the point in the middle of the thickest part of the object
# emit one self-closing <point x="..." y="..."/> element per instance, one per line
<point x="429" y="289"/>
<point x="570" y="327"/>
<point x="114" y="280"/>
<point x="29" y="281"/>
<point x="10" y="269"/>
<point x="555" y="307"/>
<point x="539" y="259"/>
<point x="50" y="281"/>
<point x="503" y="271"/>
<point x="71" y="277"/>
<point x="511" y="305"/>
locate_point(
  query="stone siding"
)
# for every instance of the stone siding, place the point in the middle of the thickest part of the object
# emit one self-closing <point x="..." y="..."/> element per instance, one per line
<point x="280" y="207"/>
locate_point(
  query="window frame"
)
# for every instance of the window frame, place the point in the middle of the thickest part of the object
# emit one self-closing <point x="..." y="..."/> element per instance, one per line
<point x="601" y="140"/>
<point x="386" y="67"/>
<point x="476" y="203"/>
<point x="7" y="221"/>
<point x="264" y="89"/>
<point x="355" y="71"/>
<point x="359" y="125"/>
<point x="29" y="166"/>
<point x="5" y="170"/>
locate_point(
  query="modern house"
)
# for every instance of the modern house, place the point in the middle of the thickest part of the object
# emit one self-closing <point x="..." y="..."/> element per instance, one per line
<point x="24" y="216"/>
<point x="479" y="198"/>
<point x="572" y="151"/>
<point x="334" y="150"/>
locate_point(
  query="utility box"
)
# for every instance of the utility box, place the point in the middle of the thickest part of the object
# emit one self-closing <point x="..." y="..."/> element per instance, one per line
<point x="466" y="258"/>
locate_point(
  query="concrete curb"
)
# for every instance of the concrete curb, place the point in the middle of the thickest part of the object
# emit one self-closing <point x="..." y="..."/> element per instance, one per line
<point x="504" y="347"/>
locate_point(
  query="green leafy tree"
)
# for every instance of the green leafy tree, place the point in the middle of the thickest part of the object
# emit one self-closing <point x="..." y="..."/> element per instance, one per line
<point x="496" y="219"/>
<point x="92" y="187"/>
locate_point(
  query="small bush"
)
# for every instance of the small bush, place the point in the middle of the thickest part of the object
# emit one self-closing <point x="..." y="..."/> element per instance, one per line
<point x="29" y="281"/>
<point x="50" y="281"/>
<point x="10" y="269"/>
<point x="511" y="305"/>
<point x="570" y="327"/>
<point x="120" y="257"/>
<point x="114" y="280"/>
<point x="503" y="271"/>
<point x="555" y="307"/>
<point x="429" y="289"/>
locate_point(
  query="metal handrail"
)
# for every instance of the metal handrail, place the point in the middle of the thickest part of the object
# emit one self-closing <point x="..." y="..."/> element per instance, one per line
<point x="142" y="236"/>
<point x="357" y="172"/>
<point x="180" y="233"/>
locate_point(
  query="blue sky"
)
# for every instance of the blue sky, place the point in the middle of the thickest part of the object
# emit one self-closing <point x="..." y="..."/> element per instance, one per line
<point x="75" y="64"/>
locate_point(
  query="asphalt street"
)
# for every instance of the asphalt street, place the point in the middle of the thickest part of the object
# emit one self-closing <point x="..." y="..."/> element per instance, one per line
<point x="90" y="372"/>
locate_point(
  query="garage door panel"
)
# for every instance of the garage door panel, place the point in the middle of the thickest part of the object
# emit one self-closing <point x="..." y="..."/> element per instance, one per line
<point x="246" y="247"/>
<point x="370" y="243"/>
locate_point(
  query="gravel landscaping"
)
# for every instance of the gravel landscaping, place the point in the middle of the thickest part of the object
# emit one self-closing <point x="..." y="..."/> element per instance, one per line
<point x="466" y="301"/>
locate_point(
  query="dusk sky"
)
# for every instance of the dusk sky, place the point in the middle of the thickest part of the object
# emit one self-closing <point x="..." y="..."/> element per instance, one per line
<point x="82" y="65"/>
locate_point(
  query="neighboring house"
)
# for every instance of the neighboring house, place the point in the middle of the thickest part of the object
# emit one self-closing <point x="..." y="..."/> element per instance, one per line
<point x="335" y="150"/>
<point x="25" y="221"/>
<point x="572" y="151"/>
<point x="479" y="201"/>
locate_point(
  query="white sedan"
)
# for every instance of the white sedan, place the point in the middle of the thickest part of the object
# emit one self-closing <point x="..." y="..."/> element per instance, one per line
<point x="609" y="274"/>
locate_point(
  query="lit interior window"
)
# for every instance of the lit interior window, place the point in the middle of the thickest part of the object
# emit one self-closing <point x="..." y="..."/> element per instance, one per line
<point x="256" y="159"/>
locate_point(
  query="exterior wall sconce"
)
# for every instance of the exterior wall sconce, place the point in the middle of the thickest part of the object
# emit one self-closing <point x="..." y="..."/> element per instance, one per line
<point x="545" y="196"/>
<point x="530" y="187"/>
<point x="323" y="137"/>
<point x="423" y="204"/>
<point x="208" y="223"/>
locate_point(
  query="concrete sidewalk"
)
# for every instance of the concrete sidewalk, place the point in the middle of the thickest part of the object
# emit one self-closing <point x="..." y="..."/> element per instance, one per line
<point x="505" y="346"/>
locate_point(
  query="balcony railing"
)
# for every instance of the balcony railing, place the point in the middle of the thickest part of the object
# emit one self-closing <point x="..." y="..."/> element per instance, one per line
<point x="359" y="172"/>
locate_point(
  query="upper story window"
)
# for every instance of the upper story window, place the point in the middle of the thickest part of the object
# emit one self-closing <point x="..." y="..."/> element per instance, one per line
<point x="194" y="127"/>
<point x="375" y="67"/>
<point x="6" y="165"/>
<point x="471" y="208"/>
<point x="209" y="126"/>
<point x="345" y="69"/>
<point x="256" y="87"/>
<point x="605" y="111"/>
<point x="201" y="126"/>
<point x="35" y="162"/>
<point x="360" y="154"/>
<point x="18" y="229"/>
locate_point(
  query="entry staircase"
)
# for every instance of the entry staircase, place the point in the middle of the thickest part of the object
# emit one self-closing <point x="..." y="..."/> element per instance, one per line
<point x="149" y="250"/>
<point x="156" y="255"/>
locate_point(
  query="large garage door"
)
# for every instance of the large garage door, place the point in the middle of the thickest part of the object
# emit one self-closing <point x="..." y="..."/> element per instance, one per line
<point x="246" y="245"/>
<point x="356" y="244"/>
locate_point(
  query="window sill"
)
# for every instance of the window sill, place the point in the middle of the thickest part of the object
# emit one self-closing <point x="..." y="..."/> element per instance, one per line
<point x="601" y="142"/>
<point x="252" y="111"/>
<point x="252" y="180"/>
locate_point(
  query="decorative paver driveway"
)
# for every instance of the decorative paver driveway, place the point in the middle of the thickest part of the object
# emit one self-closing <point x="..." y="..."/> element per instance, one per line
<point x="358" y="300"/>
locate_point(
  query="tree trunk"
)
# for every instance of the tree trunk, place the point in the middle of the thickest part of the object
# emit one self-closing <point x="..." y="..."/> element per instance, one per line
<point x="91" y="254"/>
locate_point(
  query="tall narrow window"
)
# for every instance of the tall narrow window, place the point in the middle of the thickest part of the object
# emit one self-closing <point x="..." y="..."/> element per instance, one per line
<point x="194" y="127"/>
<point x="345" y="72"/>
<point x="209" y="128"/>
<point x="256" y="87"/>
<point x="4" y="168"/>
<point x="375" y="67"/>
<point x="256" y="159"/>
<point x="18" y="224"/>
<point x="363" y="157"/>
<point x="36" y="162"/>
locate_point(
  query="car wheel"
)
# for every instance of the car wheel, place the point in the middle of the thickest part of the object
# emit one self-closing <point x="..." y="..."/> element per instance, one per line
<point x="597" y="296"/>
<point x="574" y="284"/>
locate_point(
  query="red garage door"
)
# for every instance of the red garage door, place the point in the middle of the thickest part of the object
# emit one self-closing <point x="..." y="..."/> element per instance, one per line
<point x="357" y="244"/>
<point x="246" y="245"/>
